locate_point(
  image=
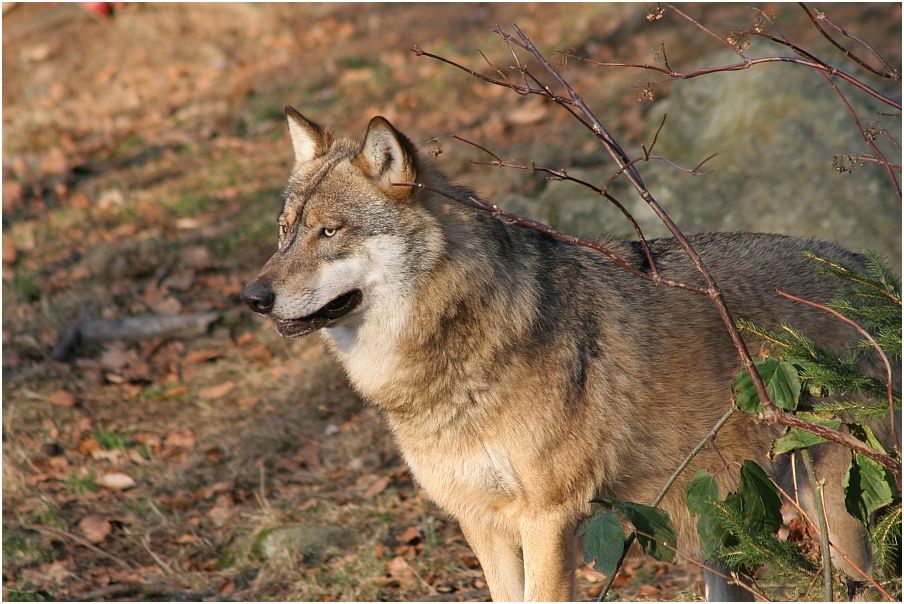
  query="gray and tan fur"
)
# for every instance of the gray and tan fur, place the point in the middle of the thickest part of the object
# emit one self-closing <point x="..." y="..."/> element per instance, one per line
<point x="522" y="376"/>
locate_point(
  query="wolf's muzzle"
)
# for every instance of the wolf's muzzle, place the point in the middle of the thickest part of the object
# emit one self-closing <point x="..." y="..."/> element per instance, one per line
<point x="259" y="296"/>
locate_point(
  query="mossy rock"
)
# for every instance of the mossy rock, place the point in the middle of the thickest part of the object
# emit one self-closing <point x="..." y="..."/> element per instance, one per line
<point x="777" y="128"/>
<point x="310" y="542"/>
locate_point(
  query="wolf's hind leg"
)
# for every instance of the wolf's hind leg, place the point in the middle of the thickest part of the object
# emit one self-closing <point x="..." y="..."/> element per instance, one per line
<point x="499" y="550"/>
<point x="719" y="589"/>
<point x="848" y="534"/>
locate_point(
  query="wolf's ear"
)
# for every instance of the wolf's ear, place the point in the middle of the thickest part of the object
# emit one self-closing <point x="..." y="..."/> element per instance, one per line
<point x="388" y="156"/>
<point x="308" y="139"/>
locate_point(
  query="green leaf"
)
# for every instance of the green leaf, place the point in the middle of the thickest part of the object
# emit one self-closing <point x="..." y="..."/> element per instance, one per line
<point x="782" y="384"/>
<point x="760" y="500"/>
<point x="655" y="526"/>
<point x="700" y="492"/>
<point x="801" y="439"/>
<point x="868" y="487"/>
<point x="604" y="540"/>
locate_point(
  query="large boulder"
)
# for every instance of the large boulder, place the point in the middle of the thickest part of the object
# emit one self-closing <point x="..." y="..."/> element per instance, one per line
<point x="777" y="129"/>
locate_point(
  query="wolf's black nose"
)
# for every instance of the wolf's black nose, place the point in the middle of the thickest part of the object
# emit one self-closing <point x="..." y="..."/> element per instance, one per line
<point x="259" y="296"/>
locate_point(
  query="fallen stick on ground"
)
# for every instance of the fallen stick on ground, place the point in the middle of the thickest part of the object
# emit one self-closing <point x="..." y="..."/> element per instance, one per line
<point x="133" y="329"/>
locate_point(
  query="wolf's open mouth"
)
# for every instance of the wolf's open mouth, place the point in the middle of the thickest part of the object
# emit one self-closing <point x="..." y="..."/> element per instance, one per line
<point x="330" y="312"/>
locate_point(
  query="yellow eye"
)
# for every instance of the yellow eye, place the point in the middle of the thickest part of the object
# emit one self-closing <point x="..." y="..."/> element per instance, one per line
<point x="328" y="232"/>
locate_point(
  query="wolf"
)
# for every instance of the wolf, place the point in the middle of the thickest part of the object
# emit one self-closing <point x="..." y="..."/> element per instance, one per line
<point x="521" y="376"/>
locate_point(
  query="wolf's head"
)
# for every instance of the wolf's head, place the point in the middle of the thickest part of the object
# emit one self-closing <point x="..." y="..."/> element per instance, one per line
<point x="350" y="242"/>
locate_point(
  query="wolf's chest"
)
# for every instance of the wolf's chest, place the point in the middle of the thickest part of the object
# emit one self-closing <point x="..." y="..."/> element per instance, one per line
<point x="457" y="481"/>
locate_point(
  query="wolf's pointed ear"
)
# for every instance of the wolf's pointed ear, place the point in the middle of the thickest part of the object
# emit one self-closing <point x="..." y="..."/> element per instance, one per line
<point x="388" y="156"/>
<point x="308" y="139"/>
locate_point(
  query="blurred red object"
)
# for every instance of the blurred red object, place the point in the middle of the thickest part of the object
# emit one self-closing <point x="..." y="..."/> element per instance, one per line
<point x="101" y="9"/>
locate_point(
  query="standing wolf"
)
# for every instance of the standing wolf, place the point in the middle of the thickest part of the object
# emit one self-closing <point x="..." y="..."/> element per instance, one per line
<point x="522" y="376"/>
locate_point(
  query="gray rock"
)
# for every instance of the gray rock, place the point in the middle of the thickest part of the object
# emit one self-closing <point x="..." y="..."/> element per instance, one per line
<point x="777" y="128"/>
<point x="311" y="542"/>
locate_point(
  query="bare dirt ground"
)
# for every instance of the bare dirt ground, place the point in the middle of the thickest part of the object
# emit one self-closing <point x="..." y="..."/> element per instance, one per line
<point x="143" y="157"/>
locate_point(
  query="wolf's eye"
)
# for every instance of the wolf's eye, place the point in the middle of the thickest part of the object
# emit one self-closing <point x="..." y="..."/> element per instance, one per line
<point x="329" y="232"/>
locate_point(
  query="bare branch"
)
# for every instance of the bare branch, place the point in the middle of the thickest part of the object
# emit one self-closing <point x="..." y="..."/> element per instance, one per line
<point x="868" y="139"/>
<point x="418" y="51"/>
<point x="816" y="485"/>
<point x="563" y="175"/>
<point x="732" y="580"/>
<point x="509" y="218"/>
<point x="859" y="159"/>
<point x="821" y="65"/>
<point x="707" y="31"/>
<point x="747" y="64"/>
<point x="803" y="514"/>
<point x="59" y="533"/>
<point x="815" y="19"/>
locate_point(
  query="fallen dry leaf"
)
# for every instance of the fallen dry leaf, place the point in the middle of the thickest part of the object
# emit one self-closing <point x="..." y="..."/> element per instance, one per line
<point x="409" y="535"/>
<point x="197" y="257"/>
<point x="9" y="250"/>
<point x="88" y="446"/>
<point x="12" y="194"/>
<point x="94" y="528"/>
<point x="401" y="571"/>
<point x="218" y="391"/>
<point x="377" y="487"/>
<point x="203" y="355"/>
<point x="116" y="356"/>
<point x="223" y="510"/>
<point x="179" y="439"/>
<point x="227" y="588"/>
<point x="62" y="398"/>
<point x="648" y="590"/>
<point x="116" y="481"/>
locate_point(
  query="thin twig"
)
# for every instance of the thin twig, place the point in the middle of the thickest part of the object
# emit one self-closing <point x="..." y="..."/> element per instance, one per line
<point x="509" y="218"/>
<point x="458" y="596"/>
<point x="705" y="566"/>
<point x="863" y="158"/>
<point x="812" y="584"/>
<point x="747" y="64"/>
<point x="117" y="591"/>
<point x="889" y="392"/>
<point x="418" y="51"/>
<point x="563" y="175"/>
<point x="815" y="19"/>
<point x="817" y="485"/>
<point x="55" y="532"/>
<point x="711" y="435"/>
<point x="803" y="514"/>
<point x="708" y="438"/>
<point x="872" y="145"/>
<point x="707" y="31"/>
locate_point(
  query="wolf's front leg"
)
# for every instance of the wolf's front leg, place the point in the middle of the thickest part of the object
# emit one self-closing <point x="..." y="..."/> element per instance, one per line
<point x="499" y="550"/>
<point x="549" y="556"/>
